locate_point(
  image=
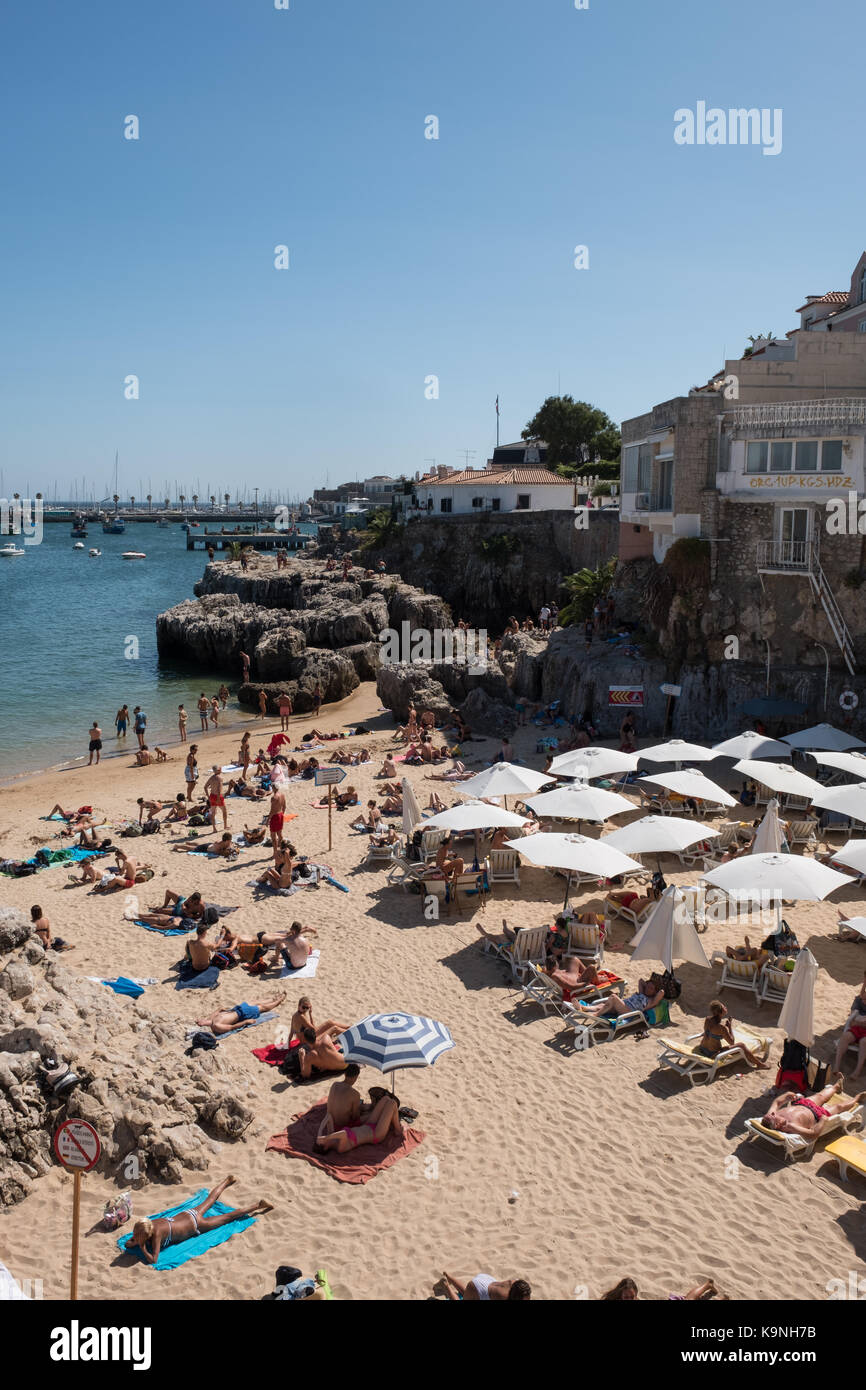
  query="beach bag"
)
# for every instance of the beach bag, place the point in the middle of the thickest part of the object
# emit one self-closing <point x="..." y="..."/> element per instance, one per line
<point x="819" y="1081"/>
<point x="793" y="1066"/>
<point x="150" y="827"/>
<point x="222" y="961"/>
<point x="198" y="820"/>
<point x="671" y="985"/>
<point x="131" y="832"/>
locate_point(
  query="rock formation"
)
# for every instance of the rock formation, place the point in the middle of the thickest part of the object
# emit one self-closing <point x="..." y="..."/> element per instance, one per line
<point x="158" y="1112"/>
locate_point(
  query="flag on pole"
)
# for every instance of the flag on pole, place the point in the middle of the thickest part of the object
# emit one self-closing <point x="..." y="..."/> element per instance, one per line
<point x="497" y="405"/>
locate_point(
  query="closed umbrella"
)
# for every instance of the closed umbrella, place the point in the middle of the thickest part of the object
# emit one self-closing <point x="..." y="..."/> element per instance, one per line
<point x="579" y="802"/>
<point x="392" y="1041"/>
<point x="574" y="853"/>
<point x="798" y="1011"/>
<point x="849" y="800"/>
<point x="593" y="762"/>
<point x="659" y="835"/>
<point x="676" y="750"/>
<point x="503" y="779"/>
<point x="823" y="736"/>
<point x="751" y="745"/>
<point x="411" y="810"/>
<point x="691" y="783"/>
<point x="669" y="933"/>
<point x="853" y="762"/>
<point x="779" y="777"/>
<point x="768" y="836"/>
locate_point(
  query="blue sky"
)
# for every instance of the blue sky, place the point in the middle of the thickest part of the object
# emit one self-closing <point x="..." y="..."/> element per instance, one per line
<point x="409" y="257"/>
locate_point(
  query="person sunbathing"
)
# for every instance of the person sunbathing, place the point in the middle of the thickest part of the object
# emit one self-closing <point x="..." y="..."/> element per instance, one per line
<point x="344" y="1103"/>
<point x="484" y="1288"/>
<point x="347" y="798"/>
<point x="280" y="874"/>
<point x="255" y="836"/>
<point x="173" y="907"/>
<point x="387" y="769"/>
<point x="224" y="847"/>
<point x="179" y="809"/>
<point x="718" y="1035"/>
<point x="372" y="818"/>
<point x="747" y="952"/>
<point x="157" y="1233"/>
<point x="506" y="937"/>
<point x="451" y="866"/>
<point x="810" y="1117"/>
<point x="88" y="839"/>
<point x="364" y="756"/>
<point x="435" y="803"/>
<point x="303" y="1018"/>
<point x="393" y="805"/>
<point x="230" y="1020"/>
<point x="457" y="773"/>
<point x="108" y="878"/>
<point x="42" y="928"/>
<point x="339" y="757"/>
<point x="650" y="994"/>
<point x="626" y="1292"/>
<point x="387" y="836"/>
<point x="142" y="757"/>
<point x="319" y="1053"/>
<point x="383" y="1119"/>
<point x="199" y="950"/>
<point x="624" y="897"/>
<point x="238" y="787"/>
<point x="575" y="976"/>
<point x="854" y="1031"/>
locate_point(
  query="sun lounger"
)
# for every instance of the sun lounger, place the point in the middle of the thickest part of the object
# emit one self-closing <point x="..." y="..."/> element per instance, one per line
<point x="803" y="833"/>
<point x="695" y="1067"/>
<point x="504" y="866"/>
<point x="619" y="910"/>
<point x="591" y="1029"/>
<point x="544" y="991"/>
<point x="849" y="1152"/>
<point x="405" y="872"/>
<point x="736" y="974"/>
<point x="772" y="984"/>
<point x="528" y="949"/>
<point x="584" y="941"/>
<point x="382" y="854"/>
<point x="797" y="1145"/>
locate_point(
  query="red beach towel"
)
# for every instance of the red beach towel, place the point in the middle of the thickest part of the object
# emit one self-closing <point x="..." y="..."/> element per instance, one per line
<point x="359" y="1166"/>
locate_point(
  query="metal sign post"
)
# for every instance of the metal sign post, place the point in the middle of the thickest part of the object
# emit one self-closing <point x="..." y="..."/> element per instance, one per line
<point x="329" y="777"/>
<point x="77" y="1146"/>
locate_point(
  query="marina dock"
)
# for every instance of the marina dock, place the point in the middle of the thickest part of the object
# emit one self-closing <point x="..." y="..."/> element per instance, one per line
<point x="255" y="540"/>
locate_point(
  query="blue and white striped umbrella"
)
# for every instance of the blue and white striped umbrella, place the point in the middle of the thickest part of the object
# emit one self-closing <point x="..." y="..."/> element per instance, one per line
<point x="389" y="1042"/>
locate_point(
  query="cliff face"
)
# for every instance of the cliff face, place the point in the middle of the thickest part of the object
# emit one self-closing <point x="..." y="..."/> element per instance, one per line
<point x="298" y="627"/>
<point x="488" y="567"/>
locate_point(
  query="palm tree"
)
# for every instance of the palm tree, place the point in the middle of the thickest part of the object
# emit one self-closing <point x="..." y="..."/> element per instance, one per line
<point x="584" y="589"/>
<point x="213" y="503"/>
<point x="195" y="501"/>
<point x="181" y="500"/>
<point x="168" y="504"/>
<point x="227" y="497"/>
<point x="116" y="500"/>
<point x="132" y="504"/>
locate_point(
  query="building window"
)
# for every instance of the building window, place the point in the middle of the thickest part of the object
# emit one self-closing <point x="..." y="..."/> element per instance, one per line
<point x="756" y="456"/>
<point x="863" y="285"/>
<point x="831" y="456"/>
<point x="780" y="456"/>
<point x="478" y="502"/>
<point x="861" y="327"/>
<point x="445" y="504"/>
<point x="807" y="456"/>
<point x="523" y="499"/>
<point x="494" y="505"/>
<point x="629" y="468"/>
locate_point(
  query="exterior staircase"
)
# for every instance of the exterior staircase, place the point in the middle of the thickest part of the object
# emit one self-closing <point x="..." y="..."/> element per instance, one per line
<point x="838" y="626"/>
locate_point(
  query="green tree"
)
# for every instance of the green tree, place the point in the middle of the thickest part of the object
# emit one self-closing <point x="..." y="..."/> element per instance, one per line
<point x="382" y="526"/>
<point x="584" y="589"/>
<point x="574" y="431"/>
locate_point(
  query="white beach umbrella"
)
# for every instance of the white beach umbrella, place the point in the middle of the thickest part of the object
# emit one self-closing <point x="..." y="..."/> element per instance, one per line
<point x="777" y="876"/>
<point x="574" y="853"/>
<point x="849" y="800"/>
<point x="690" y="782"/>
<point x="779" y="777"/>
<point x="798" y="1011"/>
<point x="669" y="933"/>
<point x="503" y="779"/>
<point x="593" y="762"/>
<point x="579" y="802"/>
<point x="852" y="855"/>
<point x="751" y="745"/>
<point x="823" y="736"/>
<point x="411" y="809"/>
<point x="658" y="835"/>
<point x="857" y="924"/>
<point x="853" y="762"/>
<point x="472" y="815"/>
<point x="676" y="750"/>
<point x="768" y="836"/>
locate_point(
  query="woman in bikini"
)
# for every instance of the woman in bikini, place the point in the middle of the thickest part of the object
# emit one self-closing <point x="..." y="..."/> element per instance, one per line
<point x="152" y="1235"/>
<point x="382" y="1119"/>
<point x="791" y="1113"/>
<point x="280" y="876"/>
<point x="649" y="995"/>
<point x="854" y="1032"/>
<point x="718" y="1034"/>
<point x="303" y="1018"/>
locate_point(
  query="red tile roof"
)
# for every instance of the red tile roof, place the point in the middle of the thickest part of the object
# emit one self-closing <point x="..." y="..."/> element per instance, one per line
<point x="831" y="297"/>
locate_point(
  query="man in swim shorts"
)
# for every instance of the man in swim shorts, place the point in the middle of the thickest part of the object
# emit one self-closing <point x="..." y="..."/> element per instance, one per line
<point x="792" y="1113"/>
<point x="276" y="819"/>
<point x="229" y="1020"/>
<point x="95" y="742"/>
<point x="216" y="797"/>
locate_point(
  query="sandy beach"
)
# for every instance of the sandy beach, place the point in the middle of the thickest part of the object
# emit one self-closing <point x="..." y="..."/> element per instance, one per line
<point x="569" y="1170"/>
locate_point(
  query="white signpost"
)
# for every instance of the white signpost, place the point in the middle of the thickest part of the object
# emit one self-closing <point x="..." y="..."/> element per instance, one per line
<point x="329" y="777"/>
<point x="77" y="1146"/>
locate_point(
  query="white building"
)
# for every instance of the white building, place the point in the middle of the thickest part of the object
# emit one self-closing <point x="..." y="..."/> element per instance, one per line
<point x="474" y="491"/>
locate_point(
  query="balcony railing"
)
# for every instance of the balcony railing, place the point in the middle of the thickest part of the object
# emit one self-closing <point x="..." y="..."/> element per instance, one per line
<point x="839" y="413"/>
<point x="785" y="556"/>
<point x="654" y="501"/>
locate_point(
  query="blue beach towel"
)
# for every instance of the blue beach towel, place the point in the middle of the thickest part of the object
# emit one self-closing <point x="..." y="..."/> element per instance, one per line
<point x="177" y="1255"/>
<point x="206" y="979"/>
<point x="124" y="986"/>
<point x="163" y="931"/>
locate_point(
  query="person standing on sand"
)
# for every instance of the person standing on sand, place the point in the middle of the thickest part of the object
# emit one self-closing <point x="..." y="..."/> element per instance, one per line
<point x="190" y="773"/>
<point x="317" y="699"/>
<point x="216" y="797"/>
<point x="245" y="661"/>
<point x="285" y="703"/>
<point x="263" y="704"/>
<point x="203" y="711"/>
<point x="121" y="719"/>
<point x="140" y="724"/>
<point x="276" y="818"/>
<point x="95" y="742"/>
<point x="181" y="722"/>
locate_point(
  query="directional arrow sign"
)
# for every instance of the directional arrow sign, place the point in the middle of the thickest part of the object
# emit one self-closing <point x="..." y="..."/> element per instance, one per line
<point x="329" y="776"/>
<point x="671" y="689"/>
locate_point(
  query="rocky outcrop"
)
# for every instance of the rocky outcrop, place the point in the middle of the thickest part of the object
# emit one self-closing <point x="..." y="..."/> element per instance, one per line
<point x="402" y="684"/>
<point x="297" y="626"/>
<point x="155" y="1120"/>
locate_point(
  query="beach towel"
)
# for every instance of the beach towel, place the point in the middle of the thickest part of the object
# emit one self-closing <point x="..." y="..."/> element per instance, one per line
<point x="359" y="1166"/>
<point x="250" y="1023"/>
<point x="304" y="972"/>
<point x="177" y="1255"/>
<point x="124" y="986"/>
<point x="204" y="979"/>
<point x="163" y="931"/>
<point x="270" y="1055"/>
